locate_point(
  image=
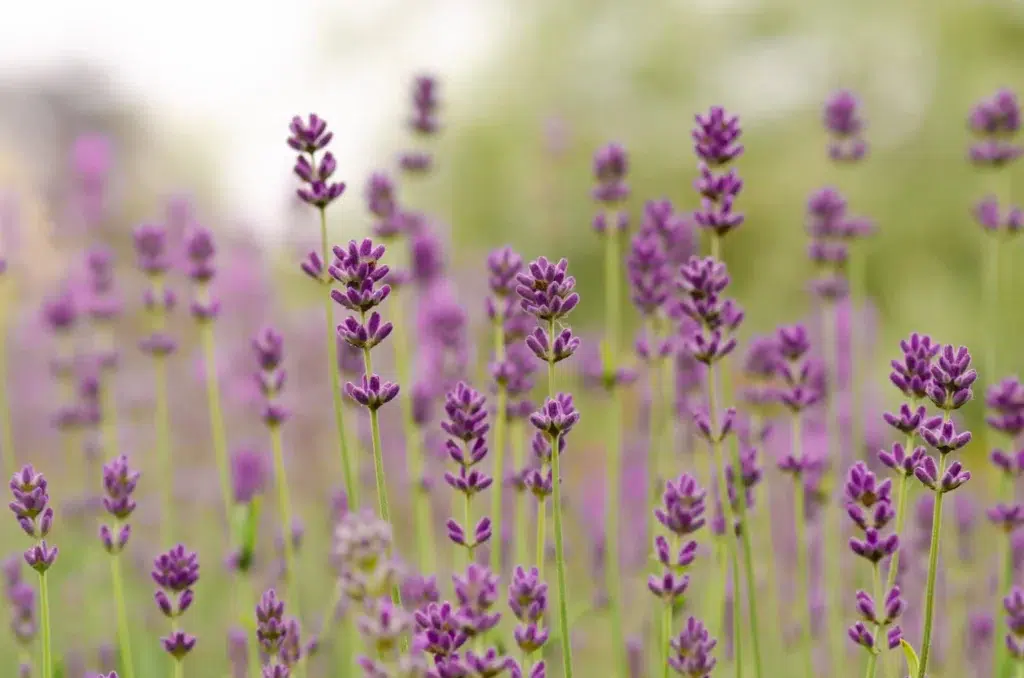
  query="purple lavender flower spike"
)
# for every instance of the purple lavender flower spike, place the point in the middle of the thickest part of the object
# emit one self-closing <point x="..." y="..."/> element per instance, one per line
<point x="843" y="121"/>
<point x="176" y="572"/>
<point x="309" y="137"/>
<point x="119" y="482"/>
<point x="31" y="508"/>
<point x="546" y="290"/>
<point x="1013" y="604"/>
<point x="424" y="124"/>
<point x="952" y="378"/>
<point x="477" y="593"/>
<point x="362" y="556"/>
<point x="692" y="651"/>
<point x="713" y="319"/>
<point x="611" y="164"/>
<point x="268" y="345"/>
<point x="647" y="268"/>
<point x="995" y="122"/>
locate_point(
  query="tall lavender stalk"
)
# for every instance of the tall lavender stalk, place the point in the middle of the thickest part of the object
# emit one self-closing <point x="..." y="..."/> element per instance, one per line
<point x="104" y="306"/>
<point x="716" y="144"/>
<point x="844" y="123"/>
<point x="832" y="231"/>
<point x="548" y="293"/>
<point x="1005" y="404"/>
<point x="309" y="137"/>
<point x="358" y="268"/>
<point x="248" y="482"/>
<point x="800" y="390"/>
<point x="503" y="266"/>
<point x="611" y="165"/>
<point x="995" y="122"/>
<point x="949" y="390"/>
<point x="268" y="346"/>
<point x="151" y="252"/>
<point x="707" y="330"/>
<point x="199" y="247"/>
<point x="30" y="506"/>
<point x="119" y="482"/>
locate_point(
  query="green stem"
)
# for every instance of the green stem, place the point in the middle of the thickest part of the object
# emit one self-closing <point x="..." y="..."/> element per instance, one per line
<point x="123" y="630"/>
<point x="802" y="569"/>
<point x="729" y="536"/>
<point x="991" y="295"/>
<point x="902" y="491"/>
<point x="933" y="566"/>
<point x="424" y="540"/>
<point x="858" y="296"/>
<point x="213" y="402"/>
<point x="284" y="508"/>
<point x="44" y="623"/>
<point x="556" y="509"/>
<point x="766" y="527"/>
<point x="542" y="515"/>
<point x="878" y="596"/>
<point x="1004" y="565"/>
<point x="666" y="638"/>
<point x="500" y="425"/>
<point x="563" y="605"/>
<point x="613" y="508"/>
<point x="108" y="410"/>
<point x="248" y="600"/>
<point x="833" y="508"/>
<point x="163" y="451"/>
<point x="351" y="487"/>
<point x="467" y="520"/>
<point x="522" y="507"/>
<point x="748" y="567"/>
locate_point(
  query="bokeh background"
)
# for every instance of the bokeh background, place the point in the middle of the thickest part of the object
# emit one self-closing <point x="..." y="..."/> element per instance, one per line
<point x="193" y="99"/>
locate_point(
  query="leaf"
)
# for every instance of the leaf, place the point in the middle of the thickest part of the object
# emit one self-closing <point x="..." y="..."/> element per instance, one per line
<point x="908" y="653"/>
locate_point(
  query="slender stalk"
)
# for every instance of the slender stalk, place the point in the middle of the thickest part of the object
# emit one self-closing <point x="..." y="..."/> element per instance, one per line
<point x="213" y="402"/>
<point x="766" y="526"/>
<point x="1004" y="571"/>
<point x="7" y="455"/>
<point x="424" y="541"/>
<point x="613" y="503"/>
<point x="542" y="515"/>
<point x="556" y="509"/>
<point x="563" y="605"/>
<point x="802" y="569"/>
<point x="500" y="425"/>
<point x="108" y="410"/>
<point x="284" y="508"/>
<point x="728" y="536"/>
<point x="933" y="566"/>
<point x="666" y="638"/>
<point x="123" y="630"/>
<point x="990" y="293"/>
<point x="748" y="565"/>
<point x="878" y="594"/>
<point x="163" y="450"/>
<point x="467" y="520"/>
<point x="522" y="507"/>
<point x="378" y="453"/>
<point x="44" y="623"/>
<point x="833" y="508"/>
<point x="351" y="486"/>
<point x="902" y="490"/>
<point x="245" y="595"/>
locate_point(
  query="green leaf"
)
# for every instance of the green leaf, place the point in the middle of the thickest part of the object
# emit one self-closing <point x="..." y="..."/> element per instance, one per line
<point x="911" y="656"/>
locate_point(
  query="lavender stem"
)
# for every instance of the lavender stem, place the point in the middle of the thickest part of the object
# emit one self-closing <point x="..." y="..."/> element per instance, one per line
<point x="123" y="630"/>
<point x="44" y="622"/>
<point x="933" y="566"/>
<point x="217" y="434"/>
<point x="833" y="509"/>
<point x="500" y="424"/>
<point x="802" y="569"/>
<point x="563" y="602"/>
<point x="351" y="488"/>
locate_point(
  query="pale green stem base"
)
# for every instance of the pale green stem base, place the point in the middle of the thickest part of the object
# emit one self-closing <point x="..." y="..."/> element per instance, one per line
<point x="522" y="545"/>
<point x="500" y="426"/>
<point x="163" y="449"/>
<point x="833" y="517"/>
<point x="802" y="569"/>
<point x="556" y="509"/>
<point x="933" y="566"/>
<point x="284" y="509"/>
<point x="123" y="629"/>
<point x="729" y="536"/>
<point x="213" y="402"/>
<point x="45" y="627"/>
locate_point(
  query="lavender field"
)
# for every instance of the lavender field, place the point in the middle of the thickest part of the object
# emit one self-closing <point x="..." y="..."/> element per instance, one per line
<point x="627" y="427"/>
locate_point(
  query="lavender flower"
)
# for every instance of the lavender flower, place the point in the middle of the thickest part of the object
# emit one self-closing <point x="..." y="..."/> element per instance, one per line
<point x="309" y="137"/>
<point x="467" y="446"/>
<point x="692" y="651"/>
<point x="423" y="122"/>
<point x="995" y="122"/>
<point x="716" y="143"/>
<point x="176" y="572"/>
<point x="119" y="482"/>
<point x="708" y="336"/>
<point x="843" y="121"/>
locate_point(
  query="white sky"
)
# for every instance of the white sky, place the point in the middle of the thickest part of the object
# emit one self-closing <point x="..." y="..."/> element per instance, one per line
<point x="242" y="69"/>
